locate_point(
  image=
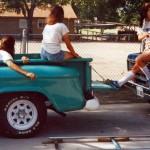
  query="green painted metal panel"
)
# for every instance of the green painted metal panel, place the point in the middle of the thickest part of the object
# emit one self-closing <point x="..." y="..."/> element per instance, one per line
<point x="63" y="83"/>
<point x="60" y="84"/>
<point x="99" y="86"/>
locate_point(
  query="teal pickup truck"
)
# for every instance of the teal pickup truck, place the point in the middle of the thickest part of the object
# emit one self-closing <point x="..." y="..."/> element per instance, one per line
<point x="61" y="87"/>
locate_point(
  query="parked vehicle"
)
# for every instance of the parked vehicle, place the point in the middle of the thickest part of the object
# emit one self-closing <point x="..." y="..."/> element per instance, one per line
<point x="61" y="87"/>
<point x="139" y="83"/>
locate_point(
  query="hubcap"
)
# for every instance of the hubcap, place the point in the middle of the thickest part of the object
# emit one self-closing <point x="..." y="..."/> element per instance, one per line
<point x="22" y="114"/>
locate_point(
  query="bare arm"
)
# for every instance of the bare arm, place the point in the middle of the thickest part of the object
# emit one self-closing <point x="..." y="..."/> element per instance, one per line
<point x="142" y="36"/>
<point x="69" y="46"/>
<point x="15" y="67"/>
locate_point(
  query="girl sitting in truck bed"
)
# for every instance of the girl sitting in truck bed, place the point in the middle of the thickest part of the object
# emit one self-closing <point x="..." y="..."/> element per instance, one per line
<point x="7" y="51"/>
<point x="54" y="31"/>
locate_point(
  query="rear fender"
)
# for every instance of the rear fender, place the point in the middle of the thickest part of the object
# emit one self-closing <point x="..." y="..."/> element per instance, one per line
<point x="60" y="101"/>
<point x="26" y="89"/>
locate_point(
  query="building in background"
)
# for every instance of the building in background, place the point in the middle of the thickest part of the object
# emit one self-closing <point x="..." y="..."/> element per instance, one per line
<point x="13" y="23"/>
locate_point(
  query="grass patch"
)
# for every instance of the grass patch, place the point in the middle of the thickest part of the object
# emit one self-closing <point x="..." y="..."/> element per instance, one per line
<point x="98" y="31"/>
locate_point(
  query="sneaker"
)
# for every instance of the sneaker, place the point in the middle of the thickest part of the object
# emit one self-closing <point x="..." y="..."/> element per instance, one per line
<point x="113" y="83"/>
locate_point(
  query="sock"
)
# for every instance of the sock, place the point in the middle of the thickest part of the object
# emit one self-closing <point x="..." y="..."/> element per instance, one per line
<point x="145" y="70"/>
<point x="129" y="75"/>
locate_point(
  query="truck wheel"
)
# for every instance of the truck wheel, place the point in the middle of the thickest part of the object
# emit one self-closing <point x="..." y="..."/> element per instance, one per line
<point x="22" y="115"/>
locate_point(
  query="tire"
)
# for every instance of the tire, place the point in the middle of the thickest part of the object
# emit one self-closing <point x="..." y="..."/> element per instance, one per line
<point x="22" y="115"/>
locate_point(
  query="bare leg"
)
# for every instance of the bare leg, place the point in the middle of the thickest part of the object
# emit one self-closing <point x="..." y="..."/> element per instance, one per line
<point x="135" y="68"/>
<point x="141" y="61"/>
<point x="68" y="55"/>
<point x="140" y="64"/>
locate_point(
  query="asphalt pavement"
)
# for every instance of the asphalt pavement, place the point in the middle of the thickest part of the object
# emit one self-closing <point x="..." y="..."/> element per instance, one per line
<point x="110" y="121"/>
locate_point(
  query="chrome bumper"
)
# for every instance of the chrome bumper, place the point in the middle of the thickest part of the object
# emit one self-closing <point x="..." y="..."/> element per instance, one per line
<point x="133" y="85"/>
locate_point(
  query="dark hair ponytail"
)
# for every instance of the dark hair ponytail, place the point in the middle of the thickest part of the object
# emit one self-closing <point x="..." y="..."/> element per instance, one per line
<point x="56" y="15"/>
<point x="143" y="13"/>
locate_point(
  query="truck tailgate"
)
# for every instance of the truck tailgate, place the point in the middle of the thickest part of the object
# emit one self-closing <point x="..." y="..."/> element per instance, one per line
<point x="100" y="86"/>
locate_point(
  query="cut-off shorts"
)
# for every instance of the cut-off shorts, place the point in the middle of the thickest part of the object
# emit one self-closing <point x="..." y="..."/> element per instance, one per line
<point x="58" y="57"/>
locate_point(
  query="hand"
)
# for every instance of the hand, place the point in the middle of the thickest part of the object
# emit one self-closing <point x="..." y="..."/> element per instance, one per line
<point x="32" y="76"/>
<point x="77" y="56"/>
<point x="25" y="59"/>
<point x="146" y="34"/>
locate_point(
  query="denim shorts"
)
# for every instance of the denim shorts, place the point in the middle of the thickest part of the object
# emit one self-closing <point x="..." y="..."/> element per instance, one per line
<point x="58" y="57"/>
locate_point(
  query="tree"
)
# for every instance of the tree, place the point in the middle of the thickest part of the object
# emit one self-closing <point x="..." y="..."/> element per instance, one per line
<point x="130" y="13"/>
<point x="85" y="9"/>
<point x="26" y="7"/>
<point x="104" y="10"/>
<point x="124" y="11"/>
<point x="108" y="10"/>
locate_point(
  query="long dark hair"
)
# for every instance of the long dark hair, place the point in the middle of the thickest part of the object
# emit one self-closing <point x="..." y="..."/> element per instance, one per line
<point x="56" y="15"/>
<point x="143" y="15"/>
<point x="7" y="44"/>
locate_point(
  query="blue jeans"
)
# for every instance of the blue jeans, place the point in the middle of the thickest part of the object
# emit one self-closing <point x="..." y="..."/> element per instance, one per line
<point x="58" y="57"/>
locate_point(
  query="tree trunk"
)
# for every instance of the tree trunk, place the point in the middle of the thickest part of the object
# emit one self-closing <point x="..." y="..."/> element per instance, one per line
<point x="29" y="23"/>
<point x="30" y="20"/>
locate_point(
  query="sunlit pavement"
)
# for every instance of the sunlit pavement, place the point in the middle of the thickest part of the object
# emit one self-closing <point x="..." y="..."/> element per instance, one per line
<point x="110" y="121"/>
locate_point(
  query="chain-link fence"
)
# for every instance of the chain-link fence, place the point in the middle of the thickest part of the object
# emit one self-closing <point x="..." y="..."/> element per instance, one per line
<point x="109" y="57"/>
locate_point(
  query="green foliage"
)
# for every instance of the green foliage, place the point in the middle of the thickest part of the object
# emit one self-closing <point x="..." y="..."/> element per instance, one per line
<point x="125" y="11"/>
<point x="130" y="13"/>
<point x="85" y="9"/>
<point x="26" y="7"/>
<point x="22" y="5"/>
<point x="104" y="10"/>
<point x="108" y="10"/>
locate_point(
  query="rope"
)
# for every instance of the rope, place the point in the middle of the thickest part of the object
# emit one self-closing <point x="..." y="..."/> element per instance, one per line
<point x="104" y="80"/>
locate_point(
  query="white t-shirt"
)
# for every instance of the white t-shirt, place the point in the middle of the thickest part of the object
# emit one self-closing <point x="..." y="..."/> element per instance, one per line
<point x="145" y="28"/>
<point x="52" y="37"/>
<point x="5" y="56"/>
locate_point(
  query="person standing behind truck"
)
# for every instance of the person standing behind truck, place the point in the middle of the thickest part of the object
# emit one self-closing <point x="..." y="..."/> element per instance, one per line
<point x="144" y="58"/>
<point x="7" y="52"/>
<point x="54" y="31"/>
